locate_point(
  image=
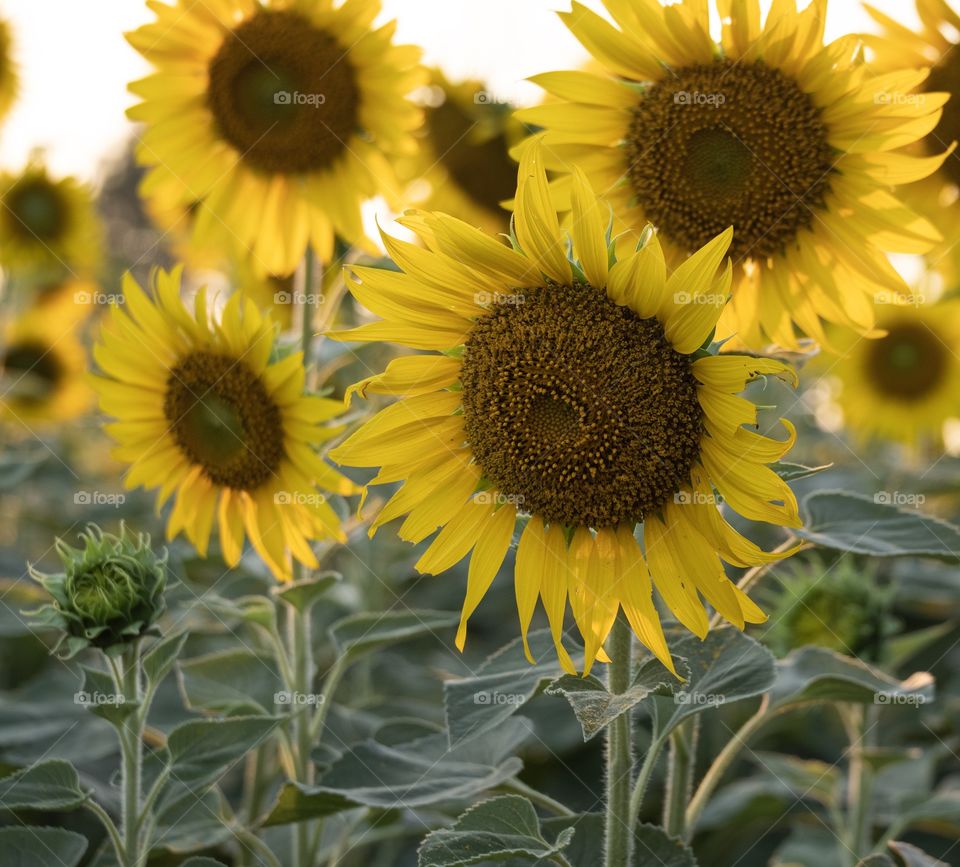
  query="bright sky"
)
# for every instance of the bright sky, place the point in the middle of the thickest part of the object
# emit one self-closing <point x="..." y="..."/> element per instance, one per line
<point x="75" y="62"/>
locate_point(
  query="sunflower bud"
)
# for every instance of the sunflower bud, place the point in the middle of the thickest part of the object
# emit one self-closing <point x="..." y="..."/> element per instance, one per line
<point x="109" y="593"/>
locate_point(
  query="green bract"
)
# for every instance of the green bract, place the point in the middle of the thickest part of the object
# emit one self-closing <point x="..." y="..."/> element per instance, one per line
<point x="109" y="593"/>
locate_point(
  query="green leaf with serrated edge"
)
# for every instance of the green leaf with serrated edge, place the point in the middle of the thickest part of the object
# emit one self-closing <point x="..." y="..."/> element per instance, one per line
<point x="48" y="785"/>
<point x="874" y="525"/>
<point x="500" y="686"/>
<point x="595" y="707"/>
<point x="819" y="674"/>
<point x="363" y="633"/>
<point x="159" y="659"/>
<point x="425" y="771"/>
<point x="99" y="696"/>
<point x="725" y="667"/>
<point x="494" y="830"/>
<point x="302" y="595"/>
<point x="655" y="846"/>
<point x="791" y="472"/>
<point x="231" y="681"/>
<point x="34" y="846"/>
<point x="911" y="856"/>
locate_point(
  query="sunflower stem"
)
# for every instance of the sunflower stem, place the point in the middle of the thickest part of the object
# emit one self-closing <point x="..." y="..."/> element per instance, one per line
<point x="301" y="652"/>
<point x="619" y="832"/>
<point x="680" y="769"/>
<point x="307" y="307"/>
<point x="130" y="734"/>
<point x="858" y="725"/>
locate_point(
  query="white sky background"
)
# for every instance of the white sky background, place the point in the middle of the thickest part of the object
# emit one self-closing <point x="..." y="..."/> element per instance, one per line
<point x="75" y="63"/>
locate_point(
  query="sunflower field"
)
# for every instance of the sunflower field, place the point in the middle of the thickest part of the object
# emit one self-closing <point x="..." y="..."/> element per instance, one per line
<point x="403" y="468"/>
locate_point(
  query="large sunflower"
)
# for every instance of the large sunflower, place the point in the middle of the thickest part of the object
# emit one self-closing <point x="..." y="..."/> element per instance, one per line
<point x="904" y="385"/>
<point x="206" y="412"/>
<point x="463" y="166"/>
<point x="577" y="393"/>
<point x="276" y="118"/>
<point x="47" y="226"/>
<point x="9" y="74"/>
<point x="937" y="44"/>
<point x="793" y="142"/>
<point x="42" y="359"/>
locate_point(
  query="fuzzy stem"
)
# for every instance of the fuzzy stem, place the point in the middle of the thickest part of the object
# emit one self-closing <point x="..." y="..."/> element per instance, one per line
<point x="131" y="748"/>
<point x="619" y="831"/>
<point x="680" y="768"/>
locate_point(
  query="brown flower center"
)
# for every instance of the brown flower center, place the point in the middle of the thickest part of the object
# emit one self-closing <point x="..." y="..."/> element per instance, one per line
<point x="725" y="144"/>
<point x="34" y="371"/>
<point x="283" y="93"/>
<point x="579" y="409"/>
<point x="945" y="76"/>
<point x="223" y="419"/>
<point x="908" y="363"/>
<point x="35" y="209"/>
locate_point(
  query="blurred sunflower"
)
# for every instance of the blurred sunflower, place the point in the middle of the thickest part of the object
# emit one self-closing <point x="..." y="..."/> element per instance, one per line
<point x="577" y="393"/>
<point x="46" y="225"/>
<point x="42" y="360"/>
<point x="9" y="75"/>
<point x="463" y="166"/>
<point x="277" y="118"/>
<point x="935" y="44"/>
<point x="272" y="293"/>
<point x="205" y="411"/>
<point x="793" y="142"/>
<point x="902" y="386"/>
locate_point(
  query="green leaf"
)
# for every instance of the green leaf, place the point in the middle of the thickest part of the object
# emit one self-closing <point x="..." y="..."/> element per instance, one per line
<point x="424" y="771"/>
<point x="258" y="610"/>
<point x="230" y="681"/>
<point x="49" y="785"/>
<point x="819" y="674"/>
<point x="159" y="659"/>
<point x="363" y="633"/>
<point x="201" y="862"/>
<point x="727" y="666"/>
<point x="201" y="751"/>
<point x="500" y="687"/>
<point x="190" y="824"/>
<point x="911" y="856"/>
<point x="303" y="595"/>
<point x="494" y="830"/>
<point x="595" y="707"/>
<point x="655" y="846"/>
<point x="939" y="813"/>
<point x="806" y="779"/>
<point x="876" y="861"/>
<point x="99" y="696"/>
<point x="32" y="846"/>
<point x="862" y="524"/>
<point x="790" y="472"/>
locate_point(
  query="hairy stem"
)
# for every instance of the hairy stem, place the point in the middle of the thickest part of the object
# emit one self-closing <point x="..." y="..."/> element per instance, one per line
<point x="619" y="831"/>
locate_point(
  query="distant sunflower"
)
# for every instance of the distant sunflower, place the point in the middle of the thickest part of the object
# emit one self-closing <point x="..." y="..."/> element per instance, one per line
<point x="275" y="294"/>
<point x="276" y="118"/>
<point x="43" y="362"/>
<point x="579" y="394"/>
<point x="9" y="74"/>
<point x="903" y="386"/>
<point x="463" y="167"/>
<point x="793" y="142"/>
<point x="937" y="44"/>
<point x="206" y="412"/>
<point x="46" y="225"/>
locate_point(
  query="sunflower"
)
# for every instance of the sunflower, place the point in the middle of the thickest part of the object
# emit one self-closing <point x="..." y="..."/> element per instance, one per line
<point x="578" y="394"/>
<point x="206" y="412"/>
<point x="793" y="142"/>
<point x="47" y="226"/>
<point x="277" y="118"/>
<point x="463" y="166"/>
<point x="9" y="74"/>
<point x="935" y="44"/>
<point x="903" y="386"/>
<point x="42" y="359"/>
